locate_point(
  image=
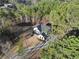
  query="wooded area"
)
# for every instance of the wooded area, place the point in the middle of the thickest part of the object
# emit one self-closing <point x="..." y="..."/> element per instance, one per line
<point x="18" y="16"/>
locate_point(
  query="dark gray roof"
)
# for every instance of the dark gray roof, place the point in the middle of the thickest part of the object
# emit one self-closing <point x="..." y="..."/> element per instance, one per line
<point x="43" y="28"/>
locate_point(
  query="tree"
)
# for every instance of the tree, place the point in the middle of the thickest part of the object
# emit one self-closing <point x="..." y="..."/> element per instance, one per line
<point x="66" y="48"/>
<point x="63" y="14"/>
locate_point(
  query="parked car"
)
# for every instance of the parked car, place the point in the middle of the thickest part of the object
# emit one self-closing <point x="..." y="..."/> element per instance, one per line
<point x="8" y="5"/>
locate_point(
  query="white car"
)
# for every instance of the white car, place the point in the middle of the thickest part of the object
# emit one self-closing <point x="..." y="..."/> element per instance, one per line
<point x="40" y="37"/>
<point x="8" y="6"/>
<point x="38" y="33"/>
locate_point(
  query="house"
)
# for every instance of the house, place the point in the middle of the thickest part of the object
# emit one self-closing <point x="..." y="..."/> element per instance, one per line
<point x="21" y="1"/>
<point x="26" y="2"/>
<point x="42" y="30"/>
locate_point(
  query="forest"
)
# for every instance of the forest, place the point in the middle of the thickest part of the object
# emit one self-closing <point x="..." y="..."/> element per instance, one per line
<point x="18" y="17"/>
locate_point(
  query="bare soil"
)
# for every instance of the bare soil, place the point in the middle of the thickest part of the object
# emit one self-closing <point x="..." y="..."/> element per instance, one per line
<point x="32" y="41"/>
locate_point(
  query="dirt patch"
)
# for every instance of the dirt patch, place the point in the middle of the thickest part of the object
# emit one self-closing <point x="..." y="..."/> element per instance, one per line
<point x="31" y="41"/>
<point x="35" y="55"/>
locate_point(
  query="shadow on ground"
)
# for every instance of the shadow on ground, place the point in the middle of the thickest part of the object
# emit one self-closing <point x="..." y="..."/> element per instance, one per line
<point x="12" y="34"/>
<point x="73" y="32"/>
